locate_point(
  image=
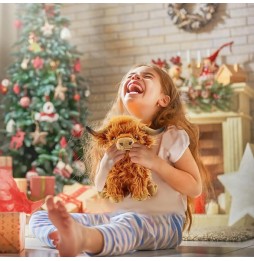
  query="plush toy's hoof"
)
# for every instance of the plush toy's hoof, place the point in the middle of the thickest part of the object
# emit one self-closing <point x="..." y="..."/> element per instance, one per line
<point x="116" y="200"/>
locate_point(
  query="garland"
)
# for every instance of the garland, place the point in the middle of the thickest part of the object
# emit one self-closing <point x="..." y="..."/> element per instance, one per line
<point x="191" y="21"/>
<point x="208" y="96"/>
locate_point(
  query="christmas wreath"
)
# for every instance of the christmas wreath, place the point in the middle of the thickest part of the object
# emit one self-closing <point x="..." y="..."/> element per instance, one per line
<point x="191" y="21"/>
<point x="208" y="95"/>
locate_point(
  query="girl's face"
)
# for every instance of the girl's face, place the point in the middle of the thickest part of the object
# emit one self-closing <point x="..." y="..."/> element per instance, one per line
<point x="141" y="93"/>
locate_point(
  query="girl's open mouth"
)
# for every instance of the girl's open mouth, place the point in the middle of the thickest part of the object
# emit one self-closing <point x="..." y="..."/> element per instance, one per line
<point x="134" y="88"/>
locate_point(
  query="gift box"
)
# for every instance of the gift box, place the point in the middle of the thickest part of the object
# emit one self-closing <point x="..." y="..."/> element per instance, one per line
<point x="22" y="184"/>
<point x="6" y="164"/>
<point x="12" y="232"/>
<point x="74" y="196"/>
<point x="14" y="206"/>
<point x="41" y="186"/>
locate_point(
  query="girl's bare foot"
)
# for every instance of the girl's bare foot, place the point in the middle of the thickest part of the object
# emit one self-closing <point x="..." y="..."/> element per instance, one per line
<point x="71" y="238"/>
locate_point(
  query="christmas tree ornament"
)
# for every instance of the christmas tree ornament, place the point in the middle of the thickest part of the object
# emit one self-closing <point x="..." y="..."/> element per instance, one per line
<point x="47" y="29"/>
<point x="38" y="136"/>
<point x="34" y="46"/>
<point x="3" y="89"/>
<point x="16" y="88"/>
<point x="54" y="65"/>
<point x="49" y="9"/>
<point x="18" y="24"/>
<point x="60" y="90"/>
<point x="63" y="169"/>
<point x="63" y="143"/>
<point x="240" y="185"/>
<point x="17" y="140"/>
<point x="76" y="97"/>
<point x="48" y="113"/>
<point x="38" y="63"/>
<point x="5" y="82"/>
<point x="87" y="92"/>
<point x="24" y="63"/>
<point x="25" y="102"/>
<point x="79" y="167"/>
<point x="65" y="34"/>
<point x="77" y="66"/>
<point x="77" y="130"/>
<point x="11" y="126"/>
<point x="73" y="78"/>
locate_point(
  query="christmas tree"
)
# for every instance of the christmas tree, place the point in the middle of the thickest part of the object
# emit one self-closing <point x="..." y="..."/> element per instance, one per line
<point x="45" y="98"/>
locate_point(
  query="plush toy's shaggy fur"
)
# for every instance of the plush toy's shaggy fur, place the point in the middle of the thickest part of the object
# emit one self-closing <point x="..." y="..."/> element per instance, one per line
<point x="126" y="177"/>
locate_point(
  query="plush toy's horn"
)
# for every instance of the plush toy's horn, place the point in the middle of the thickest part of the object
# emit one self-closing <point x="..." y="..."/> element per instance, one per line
<point x="93" y="132"/>
<point x="153" y="132"/>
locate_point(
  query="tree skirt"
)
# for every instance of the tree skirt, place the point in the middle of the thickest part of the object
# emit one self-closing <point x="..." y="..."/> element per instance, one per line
<point x="229" y="234"/>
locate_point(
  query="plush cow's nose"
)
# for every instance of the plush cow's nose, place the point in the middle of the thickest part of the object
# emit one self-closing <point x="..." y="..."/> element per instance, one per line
<point x="124" y="143"/>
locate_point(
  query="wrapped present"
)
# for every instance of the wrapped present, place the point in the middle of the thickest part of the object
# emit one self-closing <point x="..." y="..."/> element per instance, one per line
<point x="6" y="164"/>
<point x="22" y="184"/>
<point x="73" y="197"/>
<point x="12" y="232"/>
<point x="14" y="206"/>
<point x="42" y="186"/>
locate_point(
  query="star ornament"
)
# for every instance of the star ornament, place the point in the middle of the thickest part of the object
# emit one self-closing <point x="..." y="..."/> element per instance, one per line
<point x="39" y="137"/>
<point x="47" y="29"/>
<point x="60" y="92"/>
<point x="240" y="185"/>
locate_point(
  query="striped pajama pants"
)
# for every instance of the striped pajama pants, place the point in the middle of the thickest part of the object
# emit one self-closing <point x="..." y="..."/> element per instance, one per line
<point x="122" y="232"/>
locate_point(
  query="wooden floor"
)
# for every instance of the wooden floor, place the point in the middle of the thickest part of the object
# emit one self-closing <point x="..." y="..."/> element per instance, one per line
<point x="34" y="248"/>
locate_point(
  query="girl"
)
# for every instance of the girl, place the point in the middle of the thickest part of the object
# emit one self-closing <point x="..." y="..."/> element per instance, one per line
<point x="148" y="93"/>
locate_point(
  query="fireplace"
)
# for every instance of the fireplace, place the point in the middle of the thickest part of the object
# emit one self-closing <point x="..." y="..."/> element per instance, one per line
<point x="223" y="137"/>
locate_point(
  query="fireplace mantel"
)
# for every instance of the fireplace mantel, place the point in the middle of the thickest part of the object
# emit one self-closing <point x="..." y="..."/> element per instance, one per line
<point x="236" y="133"/>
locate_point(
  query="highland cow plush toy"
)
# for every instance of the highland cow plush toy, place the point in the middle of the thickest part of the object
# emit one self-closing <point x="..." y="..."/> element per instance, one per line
<point x="126" y="178"/>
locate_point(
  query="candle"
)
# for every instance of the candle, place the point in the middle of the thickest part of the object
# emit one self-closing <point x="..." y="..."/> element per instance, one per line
<point x="198" y="59"/>
<point x="188" y="56"/>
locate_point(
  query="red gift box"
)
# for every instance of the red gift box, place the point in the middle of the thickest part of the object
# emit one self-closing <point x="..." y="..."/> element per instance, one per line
<point x="42" y="186"/>
<point x="6" y="164"/>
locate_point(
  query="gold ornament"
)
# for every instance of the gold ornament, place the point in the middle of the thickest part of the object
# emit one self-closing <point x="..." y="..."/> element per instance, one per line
<point x="39" y="137"/>
<point x="60" y="90"/>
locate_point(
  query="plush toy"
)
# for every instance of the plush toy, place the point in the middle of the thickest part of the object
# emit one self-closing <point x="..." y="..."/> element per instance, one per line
<point x="126" y="178"/>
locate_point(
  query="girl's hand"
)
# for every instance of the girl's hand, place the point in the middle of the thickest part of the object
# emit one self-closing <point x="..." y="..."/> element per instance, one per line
<point x="111" y="156"/>
<point x="142" y="155"/>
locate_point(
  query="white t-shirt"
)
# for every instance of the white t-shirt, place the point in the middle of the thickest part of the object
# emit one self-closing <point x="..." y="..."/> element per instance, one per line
<point x="173" y="144"/>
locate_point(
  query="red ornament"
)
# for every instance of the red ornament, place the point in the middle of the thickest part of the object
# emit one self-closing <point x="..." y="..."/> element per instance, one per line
<point x="38" y="63"/>
<point x="50" y="9"/>
<point x="16" y="88"/>
<point x="25" y="102"/>
<point x="17" y="140"/>
<point x="63" y="143"/>
<point x="77" y="130"/>
<point x="76" y="97"/>
<point x="77" y="66"/>
<point x="3" y="89"/>
<point x="18" y="24"/>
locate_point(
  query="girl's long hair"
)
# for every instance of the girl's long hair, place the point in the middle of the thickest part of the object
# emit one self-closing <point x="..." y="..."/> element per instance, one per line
<point x="173" y="114"/>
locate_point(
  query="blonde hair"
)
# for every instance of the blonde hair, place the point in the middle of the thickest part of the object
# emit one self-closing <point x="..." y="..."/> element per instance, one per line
<point x="173" y="114"/>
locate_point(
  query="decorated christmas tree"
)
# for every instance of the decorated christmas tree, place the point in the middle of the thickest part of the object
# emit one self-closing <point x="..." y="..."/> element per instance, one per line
<point x="45" y="98"/>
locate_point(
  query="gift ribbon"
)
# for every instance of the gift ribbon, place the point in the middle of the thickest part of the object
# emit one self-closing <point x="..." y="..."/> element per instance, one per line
<point x="70" y="199"/>
<point x="43" y="187"/>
